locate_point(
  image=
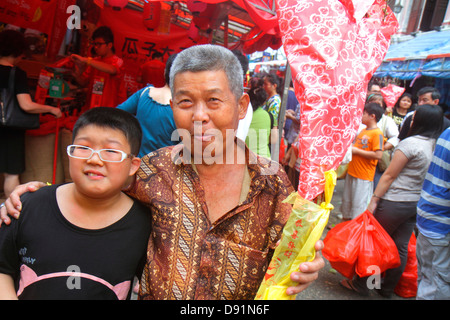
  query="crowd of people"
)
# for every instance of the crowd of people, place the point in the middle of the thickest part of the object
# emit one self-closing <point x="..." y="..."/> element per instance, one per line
<point x="214" y="223"/>
<point x="391" y="188"/>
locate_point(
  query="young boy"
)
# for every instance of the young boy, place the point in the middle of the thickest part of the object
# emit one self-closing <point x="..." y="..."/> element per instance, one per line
<point x="101" y="74"/>
<point x="86" y="239"/>
<point x="366" y="151"/>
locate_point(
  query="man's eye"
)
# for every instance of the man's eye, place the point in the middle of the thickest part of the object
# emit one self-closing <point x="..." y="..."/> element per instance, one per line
<point x="184" y="103"/>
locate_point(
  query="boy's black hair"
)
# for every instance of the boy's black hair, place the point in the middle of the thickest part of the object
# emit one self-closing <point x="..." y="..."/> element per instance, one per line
<point x="12" y="43"/>
<point x="375" y="109"/>
<point x="106" y="117"/>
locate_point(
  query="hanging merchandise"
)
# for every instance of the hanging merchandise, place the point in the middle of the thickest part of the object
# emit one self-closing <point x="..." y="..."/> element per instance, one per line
<point x="164" y="20"/>
<point x="151" y="15"/>
<point x="97" y="92"/>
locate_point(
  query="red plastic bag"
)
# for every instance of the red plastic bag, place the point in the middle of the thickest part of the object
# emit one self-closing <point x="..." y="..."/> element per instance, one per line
<point x="342" y="246"/>
<point x="378" y="251"/>
<point x="407" y="285"/>
<point x="359" y="245"/>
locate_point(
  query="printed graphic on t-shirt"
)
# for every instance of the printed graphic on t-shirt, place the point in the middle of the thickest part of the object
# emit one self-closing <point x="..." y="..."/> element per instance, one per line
<point x="29" y="277"/>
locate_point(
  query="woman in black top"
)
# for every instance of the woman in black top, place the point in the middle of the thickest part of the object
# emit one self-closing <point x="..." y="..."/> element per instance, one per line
<point x="12" y="141"/>
<point x="403" y="105"/>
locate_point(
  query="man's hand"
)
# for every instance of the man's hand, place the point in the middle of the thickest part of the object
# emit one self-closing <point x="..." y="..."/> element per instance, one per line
<point x="309" y="271"/>
<point x="13" y="205"/>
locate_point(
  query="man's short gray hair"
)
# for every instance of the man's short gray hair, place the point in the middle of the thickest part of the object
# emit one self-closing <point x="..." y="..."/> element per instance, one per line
<point x="210" y="58"/>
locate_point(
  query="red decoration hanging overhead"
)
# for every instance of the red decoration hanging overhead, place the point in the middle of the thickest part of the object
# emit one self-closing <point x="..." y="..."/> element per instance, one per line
<point x="151" y="15"/>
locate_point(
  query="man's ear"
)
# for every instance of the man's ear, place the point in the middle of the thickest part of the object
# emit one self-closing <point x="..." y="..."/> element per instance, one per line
<point x="243" y="105"/>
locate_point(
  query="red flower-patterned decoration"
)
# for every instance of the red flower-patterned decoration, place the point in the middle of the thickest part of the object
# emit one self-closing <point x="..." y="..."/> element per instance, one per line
<point x="333" y="48"/>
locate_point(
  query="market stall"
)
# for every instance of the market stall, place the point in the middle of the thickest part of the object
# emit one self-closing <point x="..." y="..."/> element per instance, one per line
<point x="55" y="29"/>
<point x="425" y="54"/>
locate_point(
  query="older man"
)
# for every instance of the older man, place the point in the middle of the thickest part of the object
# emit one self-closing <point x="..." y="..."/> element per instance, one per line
<point x="216" y="206"/>
<point x="426" y="95"/>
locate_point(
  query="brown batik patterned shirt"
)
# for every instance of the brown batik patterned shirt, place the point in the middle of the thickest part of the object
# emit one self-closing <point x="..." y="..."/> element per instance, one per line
<point x="188" y="257"/>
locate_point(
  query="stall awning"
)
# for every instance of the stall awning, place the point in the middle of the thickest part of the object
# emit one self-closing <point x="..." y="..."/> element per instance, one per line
<point x="248" y="25"/>
<point x="426" y="54"/>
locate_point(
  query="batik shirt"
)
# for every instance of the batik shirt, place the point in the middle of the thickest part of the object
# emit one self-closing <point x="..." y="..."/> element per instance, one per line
<point x="189" y="257"/>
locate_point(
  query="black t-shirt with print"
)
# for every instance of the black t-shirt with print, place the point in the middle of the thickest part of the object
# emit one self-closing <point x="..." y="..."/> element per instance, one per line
<point x="58" y="260"/>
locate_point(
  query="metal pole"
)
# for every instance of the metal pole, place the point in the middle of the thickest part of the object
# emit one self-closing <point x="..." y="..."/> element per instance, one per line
<point x="287" y="81"/>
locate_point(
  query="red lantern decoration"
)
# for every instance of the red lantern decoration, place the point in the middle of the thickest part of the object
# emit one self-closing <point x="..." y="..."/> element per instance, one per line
<point x="202" y="13"/>
<point x="152" y="13"/>
<point x="117" y="4"/>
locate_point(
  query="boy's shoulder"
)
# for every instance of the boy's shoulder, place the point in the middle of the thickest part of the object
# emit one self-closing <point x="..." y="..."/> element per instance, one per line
<point x="39" y="196"/>
<point x="374" y="132"/>
<point x="37" y="204"/>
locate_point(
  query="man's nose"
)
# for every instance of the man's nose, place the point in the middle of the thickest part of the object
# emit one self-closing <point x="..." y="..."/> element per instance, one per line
<point x="200" y="113"/>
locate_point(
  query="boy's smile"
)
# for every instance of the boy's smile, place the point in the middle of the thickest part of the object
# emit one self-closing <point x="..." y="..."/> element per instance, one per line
<point x="94" y="174"/>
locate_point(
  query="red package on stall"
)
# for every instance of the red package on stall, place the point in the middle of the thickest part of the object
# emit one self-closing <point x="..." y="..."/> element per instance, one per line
<point x="407" y="285"/>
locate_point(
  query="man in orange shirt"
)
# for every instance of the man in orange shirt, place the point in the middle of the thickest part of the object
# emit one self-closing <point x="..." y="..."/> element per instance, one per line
<point x="366" y="151"/>
<point x="102" y="74"/>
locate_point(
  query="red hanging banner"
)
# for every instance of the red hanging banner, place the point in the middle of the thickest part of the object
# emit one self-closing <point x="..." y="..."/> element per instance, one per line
<point x="32" y="14"/>
<point x="134" y="43"/>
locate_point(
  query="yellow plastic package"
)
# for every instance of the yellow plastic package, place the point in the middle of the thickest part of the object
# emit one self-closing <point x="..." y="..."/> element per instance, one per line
<point x="301" y="232"/>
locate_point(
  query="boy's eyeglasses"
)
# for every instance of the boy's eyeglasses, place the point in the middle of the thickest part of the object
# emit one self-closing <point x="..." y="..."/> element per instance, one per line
<point x="108" y="155"/>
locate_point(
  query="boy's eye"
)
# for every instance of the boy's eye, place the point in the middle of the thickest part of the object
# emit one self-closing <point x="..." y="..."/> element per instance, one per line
<point x="111" y="155"/>
<point x="82" y="149"/>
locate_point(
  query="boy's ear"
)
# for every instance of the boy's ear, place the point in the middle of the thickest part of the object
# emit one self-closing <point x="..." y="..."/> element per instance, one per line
<point x="135" y="163"/>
